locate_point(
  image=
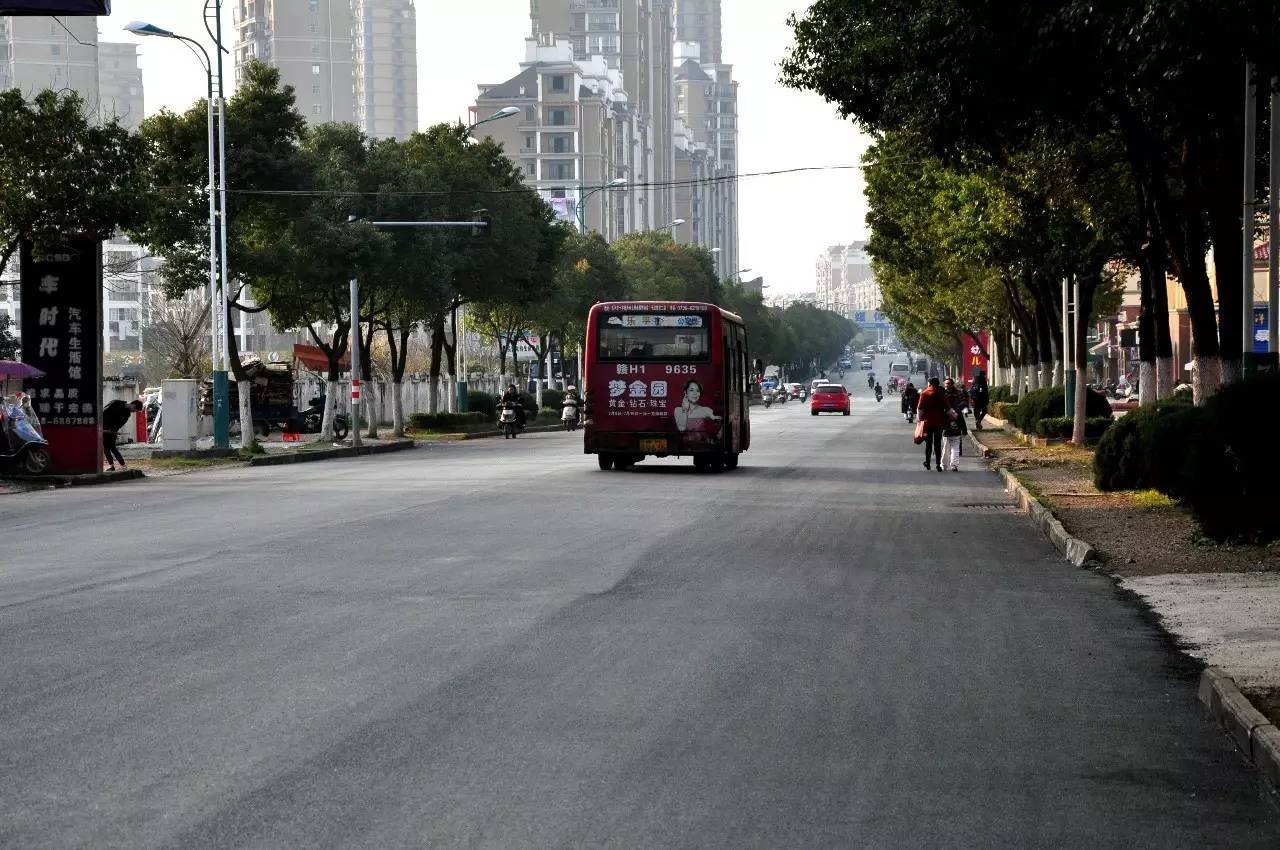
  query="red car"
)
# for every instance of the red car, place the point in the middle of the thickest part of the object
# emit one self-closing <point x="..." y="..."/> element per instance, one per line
<point x="829" y="398"/>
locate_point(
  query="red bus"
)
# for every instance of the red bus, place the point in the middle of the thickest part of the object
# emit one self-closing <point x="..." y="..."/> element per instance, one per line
<point x="665" y="378"/>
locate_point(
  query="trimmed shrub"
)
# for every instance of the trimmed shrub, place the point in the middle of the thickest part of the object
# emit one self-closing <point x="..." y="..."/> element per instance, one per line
<point x="549" y="415"/>
<point x="1095" y="427"/>
<point x="478" y="402"/>
<point x="1055" y="427"/>
<point x="552" y="400"/>
<point x="1230" y="470"/>
<point x="471" y="420"/>
<point x="1003" y="409"/>
<point x="1002" y="394"/>
<point x="1049" y="403"/>
<point x="1124" y="459"/>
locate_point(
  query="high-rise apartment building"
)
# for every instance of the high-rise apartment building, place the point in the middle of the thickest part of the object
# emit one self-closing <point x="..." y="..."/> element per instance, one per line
<point x="706" y="104"/>
<point x="347" y="60"/>
<point x="38" y="53"/>
<point x="635" y="37"/>
<point x="309" y="42"/>
<point x="845" y="279"/>
<point x="576" y="132"/>
<point x="120" y="84"/>
<point x="699" y="21"/>
<point x="385" y="41"/>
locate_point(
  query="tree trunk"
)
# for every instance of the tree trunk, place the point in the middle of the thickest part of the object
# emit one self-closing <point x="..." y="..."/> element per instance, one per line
<point x="1147" y="325"/>
<point x="371" y="409"/>
<point x="1222" y="202"/>
<point x="1166" y="377"/>
<point x="1079" y="331"/>
<point x="397" y="409"/>
<point x="330" y="409"/>
<point x="247" y="437"/>
<point x="437" y="357"/>
<point x="1146" y="383"/>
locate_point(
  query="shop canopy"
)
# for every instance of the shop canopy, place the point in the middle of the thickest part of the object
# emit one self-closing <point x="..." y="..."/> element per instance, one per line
<point x="313" y="357"/>
<point x="55" y="7"/>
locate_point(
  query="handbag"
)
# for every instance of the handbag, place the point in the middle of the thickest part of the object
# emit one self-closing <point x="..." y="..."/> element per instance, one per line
<point x="920" y="432"/>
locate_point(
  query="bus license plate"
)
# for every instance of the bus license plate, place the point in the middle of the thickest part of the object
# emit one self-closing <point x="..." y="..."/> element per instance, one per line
<point x="657" y="447"/>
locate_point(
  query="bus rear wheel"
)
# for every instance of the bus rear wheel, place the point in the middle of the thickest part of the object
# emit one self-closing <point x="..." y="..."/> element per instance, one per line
<point x="605" y="461"/>
<point x="731" y="461"/>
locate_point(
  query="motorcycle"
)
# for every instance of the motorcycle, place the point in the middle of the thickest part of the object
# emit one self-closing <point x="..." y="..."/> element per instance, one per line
<point x="508" y="421"/>
<point x="804" y="394"/>
<point x="23" y="447"/>
<point x="312" y="419"/>
<point x="569" y="416"/>
<point x="879" y="394"/>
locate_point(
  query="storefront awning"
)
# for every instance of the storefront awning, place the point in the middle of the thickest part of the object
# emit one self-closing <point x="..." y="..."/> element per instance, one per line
<point x="313" y="357"/>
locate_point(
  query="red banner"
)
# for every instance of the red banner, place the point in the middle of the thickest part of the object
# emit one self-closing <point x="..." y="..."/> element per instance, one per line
<point x="974" y="355"/>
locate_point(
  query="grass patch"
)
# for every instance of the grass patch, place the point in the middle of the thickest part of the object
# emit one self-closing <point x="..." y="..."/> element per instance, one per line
<point x="191" y="462"/>
<point x="251" y="451"/>
<point x="1152" y="500"/>
<point x="1033" y="489"/>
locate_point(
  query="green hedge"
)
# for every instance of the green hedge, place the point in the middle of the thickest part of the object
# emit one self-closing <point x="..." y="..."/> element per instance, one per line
<point x="1002" y="394"/>
<point x="1055" y="427"/>
<point x="1063" y="427"/>
<point x="552" y="400"/>
<point x="1049" y="403"/>
<point x="1003" y="409"/>
<point x="448" y="421"/>
<point x="478" y="402"/>
<point x="1217" y="459"/>
<point x="1126" y="458"/>
<point x="1230" y="473"/>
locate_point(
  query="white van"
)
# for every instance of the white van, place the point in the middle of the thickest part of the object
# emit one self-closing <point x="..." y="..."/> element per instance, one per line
<point x="901" y="370"/>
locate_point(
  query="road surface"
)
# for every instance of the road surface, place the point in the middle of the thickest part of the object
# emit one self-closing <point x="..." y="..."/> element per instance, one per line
<point x="494" y="644"/>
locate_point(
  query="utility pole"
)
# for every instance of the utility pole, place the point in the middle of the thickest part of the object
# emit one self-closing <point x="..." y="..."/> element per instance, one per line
<point x="1250" y="200"/>
<point x="1068" y="344"/>
<point x="356" y="390"/>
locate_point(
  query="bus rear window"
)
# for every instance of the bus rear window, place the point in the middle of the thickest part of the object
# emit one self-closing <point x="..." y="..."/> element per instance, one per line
<point x="639" y="337"/>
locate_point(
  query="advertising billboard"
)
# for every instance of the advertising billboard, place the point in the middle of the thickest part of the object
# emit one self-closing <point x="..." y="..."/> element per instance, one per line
<point x="55" y="7"/>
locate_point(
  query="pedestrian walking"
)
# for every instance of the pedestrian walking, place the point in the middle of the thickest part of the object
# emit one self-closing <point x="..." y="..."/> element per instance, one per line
<point x="979" y="398"/>
<point x="955" y="428"/>
<point x="114" y="417"/>
<point x="932" y="408"/>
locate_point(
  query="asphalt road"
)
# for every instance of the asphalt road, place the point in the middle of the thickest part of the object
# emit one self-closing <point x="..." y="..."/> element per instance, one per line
<point x="494" y="644"/>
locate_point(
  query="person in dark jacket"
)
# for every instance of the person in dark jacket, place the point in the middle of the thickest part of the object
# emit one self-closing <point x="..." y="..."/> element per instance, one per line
<point x="512" y="396"/>
<point x="910" y="397"/>
<point x="932" y="408"/>
<point x="114" y="417"/>
<point x="979" y="398"/>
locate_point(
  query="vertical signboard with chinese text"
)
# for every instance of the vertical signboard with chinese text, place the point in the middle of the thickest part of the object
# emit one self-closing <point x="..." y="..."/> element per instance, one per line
<point x="62" y="337"/>
<point x="973" y="350"/>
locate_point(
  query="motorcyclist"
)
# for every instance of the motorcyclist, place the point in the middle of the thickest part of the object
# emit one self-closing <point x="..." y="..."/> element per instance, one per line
<point x="879" y="393"/>
<point x="512" y="396"/>
<point x="572" y="406"/>
<point x="910" y="397"/>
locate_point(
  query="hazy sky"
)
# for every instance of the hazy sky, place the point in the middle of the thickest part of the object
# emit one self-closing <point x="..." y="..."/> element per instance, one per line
<point x="785" y="220"/>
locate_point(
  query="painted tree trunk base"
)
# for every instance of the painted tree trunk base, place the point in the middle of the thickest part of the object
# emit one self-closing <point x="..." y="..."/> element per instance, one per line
<point x="370" y="408"/>
<point x="1081" y="410"/>
<point x="1057" y="373"/>
<point x="397" y="409"/>
<point x="1165" y="377"/>
<point x="244" y="391"/>
<point x="1232" y="371"/>
<point x="330" y="411"/>
<point x="1206" y="378"/>
<point x="433" y="395"/>
<point x="1146" y="383"/>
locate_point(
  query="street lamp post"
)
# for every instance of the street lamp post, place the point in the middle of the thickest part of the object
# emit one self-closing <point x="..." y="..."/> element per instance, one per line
<point x="582" y="201"/>
<point x="217" y="202"/>
<point x="504" y="112"/>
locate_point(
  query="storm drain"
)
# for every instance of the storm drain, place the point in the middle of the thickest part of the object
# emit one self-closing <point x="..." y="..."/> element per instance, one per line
<point x="990" y="506"/>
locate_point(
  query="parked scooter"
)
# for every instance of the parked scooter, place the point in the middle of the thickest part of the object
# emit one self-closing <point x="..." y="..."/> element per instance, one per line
<point x="23" y="449"/>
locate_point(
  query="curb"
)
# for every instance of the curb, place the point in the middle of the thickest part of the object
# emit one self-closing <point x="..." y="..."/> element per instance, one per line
<point x="58" y="482"/>
<point x="484" y="435"/>
<point x="1253" y="733"/>
<point x="1078" y="552"/>
<point x="328" y="454"/>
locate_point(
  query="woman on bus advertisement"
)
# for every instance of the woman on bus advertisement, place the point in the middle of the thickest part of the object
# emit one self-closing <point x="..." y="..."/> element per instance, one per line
<point x="696" y="421"/>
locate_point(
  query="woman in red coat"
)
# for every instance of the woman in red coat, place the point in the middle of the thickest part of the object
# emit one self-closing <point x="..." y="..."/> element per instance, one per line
<point x="932" y="408"/>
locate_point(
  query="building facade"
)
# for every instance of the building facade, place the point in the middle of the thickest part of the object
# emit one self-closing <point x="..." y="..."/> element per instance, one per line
<point x="385" y="44"/>
<point x="576" y="131"/>
<point x="310" y="43"/>
<point x="38" y="53"/>
<point x="634" y="37"/>
<point x="120" y="84"/>
<point x="699" y="21"/>
<point x="845" y="281"/>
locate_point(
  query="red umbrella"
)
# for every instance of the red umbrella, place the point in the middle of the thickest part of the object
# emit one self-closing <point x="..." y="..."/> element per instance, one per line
<point x="12" y="370"/>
